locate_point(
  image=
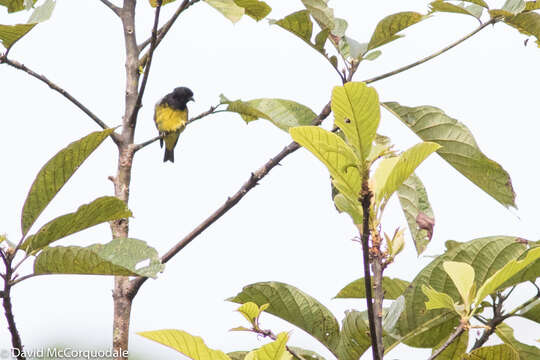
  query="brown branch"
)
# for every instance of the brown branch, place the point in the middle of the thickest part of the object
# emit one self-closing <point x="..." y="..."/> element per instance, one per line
<point x="16" y="342"/>
<point x="455" y="335"/>
<point x="111" y="6"/>
<point x="442" y="51"/>
<point x="67" y="95"/>
<point x="164" y="30"/>
<point x="231" y="201"/>
<point x="138" y="102"/>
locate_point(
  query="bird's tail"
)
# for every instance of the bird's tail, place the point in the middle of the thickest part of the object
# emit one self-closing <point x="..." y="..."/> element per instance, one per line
<point x="169" y="155"/>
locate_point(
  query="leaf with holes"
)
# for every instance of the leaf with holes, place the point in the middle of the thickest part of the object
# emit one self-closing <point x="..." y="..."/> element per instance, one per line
<point x="293" y="305"/>
<point x="123" y="257"/>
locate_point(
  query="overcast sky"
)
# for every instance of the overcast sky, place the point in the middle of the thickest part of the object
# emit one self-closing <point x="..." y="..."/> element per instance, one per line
<point x="286" y="229"/>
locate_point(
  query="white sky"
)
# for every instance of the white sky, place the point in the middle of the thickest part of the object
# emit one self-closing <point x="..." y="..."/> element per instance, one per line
<point x="286" y="229"/>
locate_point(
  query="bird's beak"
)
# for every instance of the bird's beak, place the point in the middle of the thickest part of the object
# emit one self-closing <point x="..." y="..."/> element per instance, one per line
<point x="191" y="99"/>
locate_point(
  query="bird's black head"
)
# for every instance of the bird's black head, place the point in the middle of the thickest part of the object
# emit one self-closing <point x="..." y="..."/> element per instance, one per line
<point x="179" y="98"/>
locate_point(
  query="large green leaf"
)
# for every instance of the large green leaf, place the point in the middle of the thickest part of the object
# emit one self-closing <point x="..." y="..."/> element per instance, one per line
<point x="357" y="113"/>
<point x="419" y="328"/>
<point x="459" y="148"/>
<point x="495" y="352"/>
<point x="9" y="34"/>
<point x="103" y="209"/>
<point x="514" y="266"/>
<point x="17" y="5"/>
<point x="355" y="338"/>
<point x="526" y="352"/>
<point x="356" y="289"/>
<point x="527" y="23"/>
<point x="282" y="113"/>
<point x="441" y="6"/>
<point x="418" y="212"/>
<point x="191" y="346"/>
<point x="255" y="9"/>
<point x="275" y="350"/>
<point x="43" y="13"/>
<point x="320" y="11"/>
<point x="514" y="6"/>
<point x="391" y="173"/>
<point x="125" y="257"/>
<point x="333" y="152"/>
<point x="462" y="275"/>
<point x="227" y="8"/>
<point x="388" y="27"/>
<point x="532" y="312"/>
<point x="456" y="349"/>
<point x="55" y="173"/>
<point x="294" y="306"/>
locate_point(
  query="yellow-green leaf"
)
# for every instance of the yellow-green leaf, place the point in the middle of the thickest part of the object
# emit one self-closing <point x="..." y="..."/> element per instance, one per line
<point x="456" y="349"/>
<point x="103" y="209"/>
<point x="125" y="257"/>
<point x="251" y="311"/>
<point x="154" y="3"/>
<point x="396" y="170"/>
<point x="191" y="346"/>
<point x="514" y="6"/>
<point x="354" y="209"/>
<point x="459" y="148"/>
<point x="354" y="339"/>
<point x="357" y="113"/>
<point x="527" y="23"/>
<point x="388" y="27"/>
<point x="495" y="352"/>
<point x="9" y="34"/>
<point x="532" y="5"/>
<point x="227" y="8"/>
<point x="532" y="311"/>
<point x="393" y="288"/>
<point x="275" y="350"/>
<point x="17" y="5"/>
<point x="55" y="173"/>
<point x="255" y="9"/>
<point x="505" y="273"/>
<point x="462" y="274"/>
<point x="320" y="11"/>
<point x="333" y="152"/>
<point x="526" y="352"/>
<point x="442" y="6"/>
<point x="437" y="299"/>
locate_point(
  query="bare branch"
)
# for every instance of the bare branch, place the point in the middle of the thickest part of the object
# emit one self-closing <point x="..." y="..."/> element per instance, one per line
<point x="147" y="68"/>
<point x="421" y="61"/>
<point x="164" y="30"/>
<point x="455" y="335"/>
<point x="67" y="95"/>
<point x="16" y="341"/>
<point x="231" y="201"/>
<point x="111" y="6"/>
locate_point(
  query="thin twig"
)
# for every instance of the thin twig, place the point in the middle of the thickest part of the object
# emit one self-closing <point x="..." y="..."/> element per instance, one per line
<point x="16" y="341"/>
<point x="164" y="29"/>
<point x="421" y="61"/>
<point x="111" y="6"/>
<point x="22" y="278"/>
<point x="456" y="334"/>
<point x="147" y="67"/>
<point x="67" y="95"/>
<point x="212" y="110"/>
<point x="231" y="201"/>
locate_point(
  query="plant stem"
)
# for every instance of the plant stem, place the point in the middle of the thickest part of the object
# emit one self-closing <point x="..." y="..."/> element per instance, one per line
<point x="440" y="52"/>
<point x="455" y="335"/>
<point x="16" y="342"/>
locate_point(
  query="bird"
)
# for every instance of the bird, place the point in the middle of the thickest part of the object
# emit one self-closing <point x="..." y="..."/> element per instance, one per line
<point x="170" y="117"/>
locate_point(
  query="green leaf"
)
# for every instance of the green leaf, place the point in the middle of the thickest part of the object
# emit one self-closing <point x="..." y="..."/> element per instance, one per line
<point x="505" y="273"/>
<point x="526" y="352"/>
<point x="55" y="173"/>
<point x="462" y="274"/>
<point x="355" y="338"/>
<point x="437" y="299"/>
<point x="393" y="288"/>
<point x="357" y="113"/>
<point x="393" y="172"/>
<point x="297" y="23"/>
<point x="191" y="346"/>
<point x="392" y="315"/>
<point x="388" y="27"/>
<point x="251" y="311"/>
<point x="372" y="55"/>
<point x="455" y="350"/>
<point x="255" y="9"/>
<point x="17" y="5"/>
<point x="275" y="350"/>
<point x="493" y="353"/>
<point x="227" y="8"/>
<point x="527" y="23"/>
<point x="459" y="148"/>
<point x="343" y="204"/>
<point x="42" y="13"/>
<point x="514" y="6"/>
<point x="418" y="212"/>
<point x="340" y="26"/>
<point x="419" y="328"/>
<point x="481" y="3"/>
<point x="282" y="113"/>
<point x="442" y="6"/>
<point x="125" y="257"/>
<point x="532" y="5"/>
<point x="532" y="311"/>
<point x="9" y="34"/>
<point x="294" y="306"/>
<point x="321" y="13"/>
<point x="333" y="152"/>
<point x="306" y="354"/>
<point x="107" y="208"/>
<point x="237" y="355"/>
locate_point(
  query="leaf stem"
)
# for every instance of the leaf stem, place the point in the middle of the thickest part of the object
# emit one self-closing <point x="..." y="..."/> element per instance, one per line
<point x="440" y="52"/>
<point x="455" y="335"/>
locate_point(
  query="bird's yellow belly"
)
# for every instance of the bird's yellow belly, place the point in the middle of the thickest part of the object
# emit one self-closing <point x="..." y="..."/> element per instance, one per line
<point x="169" y="120"/>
